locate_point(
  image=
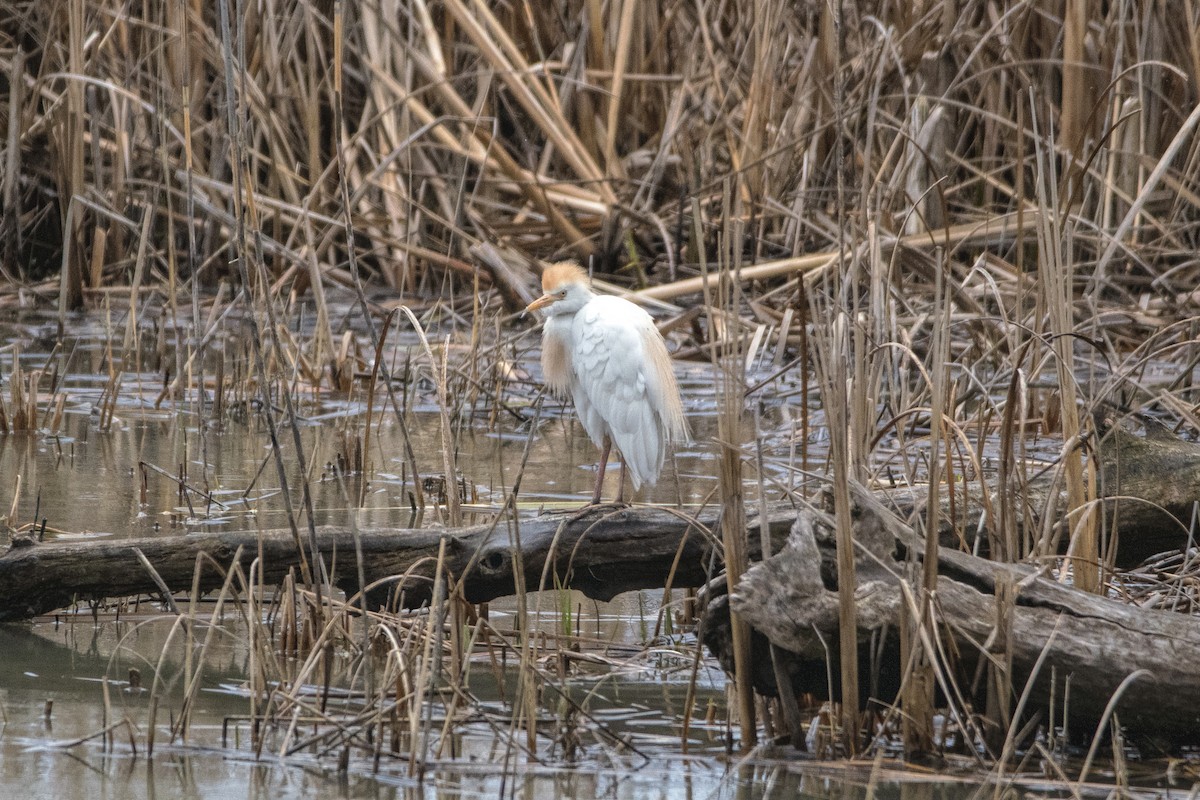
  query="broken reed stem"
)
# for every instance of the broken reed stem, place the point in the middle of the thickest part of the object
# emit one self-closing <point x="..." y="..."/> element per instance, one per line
<point x="430" y="664"/>
<point x="837" y="404"/>
<point x="372" y="385"/>
<point x="1057" y="284"/>
<point x="442" y="377"/>
<point x="917" y="722"/>
<point x="729" y="361"/>
<point x="994" y="230"/>
<point x="839" y="398"/>
<point x="733" y="534"/>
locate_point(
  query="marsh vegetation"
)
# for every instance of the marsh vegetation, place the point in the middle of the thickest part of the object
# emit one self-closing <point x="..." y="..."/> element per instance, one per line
<point x="262" y="267"/>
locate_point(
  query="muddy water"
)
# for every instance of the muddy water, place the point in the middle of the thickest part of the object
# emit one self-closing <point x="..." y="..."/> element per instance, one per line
<point x="83" y="483"/>
<point x="126" y="478"/>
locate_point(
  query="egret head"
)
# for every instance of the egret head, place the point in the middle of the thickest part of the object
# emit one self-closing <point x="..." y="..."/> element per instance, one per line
<point x="565" y="289"/>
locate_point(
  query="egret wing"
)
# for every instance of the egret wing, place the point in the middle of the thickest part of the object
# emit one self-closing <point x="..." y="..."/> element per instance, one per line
<point x="661" y="386"/>
<point x="611" y="386"/>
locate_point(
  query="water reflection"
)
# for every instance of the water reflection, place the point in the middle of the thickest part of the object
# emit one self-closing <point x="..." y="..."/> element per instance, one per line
<point x="173" y="461"/>
<point x="204" y="776"/>
<point x="148" y="476"/>
<point x="65" y="662"/>
<point x="87" y="479"/>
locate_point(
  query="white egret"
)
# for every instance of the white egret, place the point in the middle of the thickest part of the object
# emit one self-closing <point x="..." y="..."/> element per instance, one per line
<point x="607" y="355"/>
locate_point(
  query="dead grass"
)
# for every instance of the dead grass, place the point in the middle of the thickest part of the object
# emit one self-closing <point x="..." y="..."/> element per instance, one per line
<point x="975" y="222"/>
<point x="575" y="128"/>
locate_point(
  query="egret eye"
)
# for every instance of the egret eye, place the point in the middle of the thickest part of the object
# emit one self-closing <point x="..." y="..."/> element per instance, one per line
<point x="562" y="292"/>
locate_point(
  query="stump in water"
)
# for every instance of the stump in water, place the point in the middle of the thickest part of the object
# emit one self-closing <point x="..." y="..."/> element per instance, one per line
<point x="1141" y="660"/>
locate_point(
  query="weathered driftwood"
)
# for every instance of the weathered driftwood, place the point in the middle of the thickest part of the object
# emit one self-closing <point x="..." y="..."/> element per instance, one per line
<point x="1093" y="642"/>
<point x="601" y="551"/>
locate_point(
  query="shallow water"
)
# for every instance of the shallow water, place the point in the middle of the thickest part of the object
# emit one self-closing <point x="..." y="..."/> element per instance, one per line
<point x="170" y="466"/>
<point x="84" y="481"/>
<point x="65" y="663"/>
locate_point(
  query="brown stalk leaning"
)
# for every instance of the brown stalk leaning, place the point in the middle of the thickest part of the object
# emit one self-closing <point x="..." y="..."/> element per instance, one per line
<point x="730" y="366"/>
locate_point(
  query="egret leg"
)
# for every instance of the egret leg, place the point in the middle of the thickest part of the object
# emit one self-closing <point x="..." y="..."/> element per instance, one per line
<point x="621" y="485"/>
<point x="600" y="473"/>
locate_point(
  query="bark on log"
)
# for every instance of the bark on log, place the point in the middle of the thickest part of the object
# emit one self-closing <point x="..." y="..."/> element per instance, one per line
<point x="601" y="551"/>
<point x="1093" y="641"/>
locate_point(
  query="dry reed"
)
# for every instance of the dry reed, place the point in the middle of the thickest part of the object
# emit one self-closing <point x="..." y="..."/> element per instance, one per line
<point x="951" y="213"/>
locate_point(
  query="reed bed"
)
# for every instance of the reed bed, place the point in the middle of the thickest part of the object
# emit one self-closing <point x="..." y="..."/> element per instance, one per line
<point x="589" y="129"/>
<point x="959" y="227"/>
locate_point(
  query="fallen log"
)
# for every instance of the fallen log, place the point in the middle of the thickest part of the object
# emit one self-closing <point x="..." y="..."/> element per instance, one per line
<point x="600" y="551"/>
<point x="1005" y="617"/>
